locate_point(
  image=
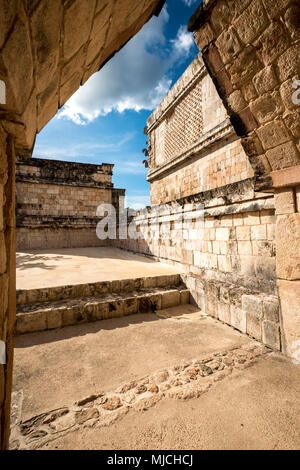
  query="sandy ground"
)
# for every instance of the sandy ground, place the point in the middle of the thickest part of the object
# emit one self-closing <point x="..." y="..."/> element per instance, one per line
<point x="58" y="367"/>
<point x="257" y="407"/>
<point x="59" y="267"/>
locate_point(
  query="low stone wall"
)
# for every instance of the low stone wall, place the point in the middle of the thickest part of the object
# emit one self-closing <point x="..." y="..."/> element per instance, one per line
<point x="228" y="255"/>
<point x="57" y="202"/>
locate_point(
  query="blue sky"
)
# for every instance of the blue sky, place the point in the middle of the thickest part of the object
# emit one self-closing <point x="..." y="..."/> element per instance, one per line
<point x="105" y="119"/>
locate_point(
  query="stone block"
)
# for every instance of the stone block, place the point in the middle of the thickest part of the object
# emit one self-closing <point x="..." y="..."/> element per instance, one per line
<point x="292" y="122"/>
<point x="253" y="304"/>
<point x="267" y="107"/>
<point x="263" y="248"/>
<point x="220" y="17"/>
<point x="228" y="45"/>
<point x="275" y="7"/>
<point x="78" y="17"/>
<point x="243" y="233"/>
<point x="185" y="296"/>
<point x="251" y="22"/>
<point x="271" y="309"/>
<point x="31" y="322"/>
<point x="236" y="101"/>
<point x="289" y="294"/>
<point x="222" y="234"/>
<point x="265" y="80"/>
<point x="284" y="201"/>
<point x="244" y="67"/>
<point x="287" y="246"/>
<point x="283" y="156"/>
<point x="271" y="334"/>
<point x="224" y="312"/>
<point x="273" y="134"/>
<point x="258" y="232"/>
<point x="54" y="319"/>
<point x="19" y="72"/>
<point x="170" y="299"/>
<point x="254" y="326"/>
<point x="272" y="42"/>
<point x="130" y="306"/>
<point x="204" y="36"/>
<point x="288" y="64"/>
<point x="100" y="310"/>
<point x="238" y="318"/>
<point x="245" y="248"/>
<point x="116" y="308"/>
<point x="45" y="31"/>
<point x="149" y="282"/>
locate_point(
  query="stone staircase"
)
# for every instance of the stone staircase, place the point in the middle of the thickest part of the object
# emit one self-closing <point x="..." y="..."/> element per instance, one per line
<point x="56" y="307"/>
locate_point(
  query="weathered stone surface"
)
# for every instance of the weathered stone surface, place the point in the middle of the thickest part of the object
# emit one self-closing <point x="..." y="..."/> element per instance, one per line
<point x="285" y="201"/>
<point x="283" y="156"/>
<point x="273" y="134"/>
<point x="228" y="45"/>
<point x="19" y="72"/>
<point x="2" y="253"/>
<point x="265" y="80"/>
<point x="289" y="292"/>
<point x="269" y="46"/>
<point x="252" y="22"/>
<point x="287" y="246"/>
<point x="271" y="310"/>
<point x="45" y="30"/>
<point x="267" y="107"/>
<point x="112" y="403"/>
<point x="270" y="335"/>
<point x="288" y="64"/>
<point x="238" y="318"/>
<point x="86" y="414"/>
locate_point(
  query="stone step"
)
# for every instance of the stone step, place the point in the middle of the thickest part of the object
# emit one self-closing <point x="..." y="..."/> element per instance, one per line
<point x="50" y="315"/>
<point x="52" y="294"/>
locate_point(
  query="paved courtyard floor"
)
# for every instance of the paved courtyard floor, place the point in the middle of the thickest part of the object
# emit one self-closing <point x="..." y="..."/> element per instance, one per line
<point x="153" y="381"/>
<point x="69" y="266"/>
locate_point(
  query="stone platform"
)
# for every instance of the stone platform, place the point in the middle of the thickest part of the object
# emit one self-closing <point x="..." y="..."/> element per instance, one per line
<point x="88" y="285"/>
<point x="70" y="266"/>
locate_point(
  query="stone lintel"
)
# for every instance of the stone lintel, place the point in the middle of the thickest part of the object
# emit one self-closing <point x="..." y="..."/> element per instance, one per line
<point x="287" y="177"/>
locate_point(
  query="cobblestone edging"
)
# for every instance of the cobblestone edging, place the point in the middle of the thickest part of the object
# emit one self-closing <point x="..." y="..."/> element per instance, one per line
<point x="183" y="381"/>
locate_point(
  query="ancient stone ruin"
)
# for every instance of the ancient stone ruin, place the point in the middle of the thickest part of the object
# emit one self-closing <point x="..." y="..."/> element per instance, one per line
<point x="223" y="146"/>
<point x="56" y="203"/>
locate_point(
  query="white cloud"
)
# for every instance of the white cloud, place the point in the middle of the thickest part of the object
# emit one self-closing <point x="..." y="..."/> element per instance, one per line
<point x="189" y="3"/>
<point x="136" y="78"/>
<point x="184" y="41"/>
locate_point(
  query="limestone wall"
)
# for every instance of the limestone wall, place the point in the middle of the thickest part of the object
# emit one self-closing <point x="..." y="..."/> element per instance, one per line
<point x="251" y="50"/>
<point x="57" y="202"/>
<point x="228" y="256"/>
<point x="192" y="145"/>
<point x="7" y="276"/>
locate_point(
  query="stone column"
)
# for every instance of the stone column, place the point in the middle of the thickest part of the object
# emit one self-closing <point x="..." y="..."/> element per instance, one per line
<point x="286" y="183"/>
<point x="7" y="278"/>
